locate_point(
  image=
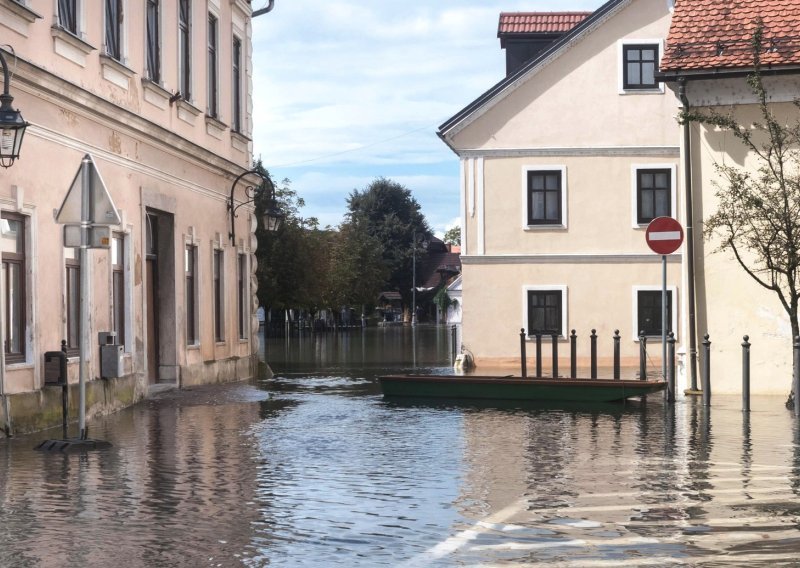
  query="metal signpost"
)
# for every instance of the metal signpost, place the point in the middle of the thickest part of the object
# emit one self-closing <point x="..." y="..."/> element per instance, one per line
<point x="664" y="236"/>
<point x="87" y="213"/>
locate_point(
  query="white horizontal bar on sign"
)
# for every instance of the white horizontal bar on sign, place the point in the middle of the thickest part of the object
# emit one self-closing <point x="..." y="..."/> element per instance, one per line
<point x="665" y="236"/>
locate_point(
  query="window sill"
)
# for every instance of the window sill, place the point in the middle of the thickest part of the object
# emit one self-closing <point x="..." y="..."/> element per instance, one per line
<point x="155" y="94"/>
<point x="187" y="112"/>
<point x="239" y="141"/>
<point x="244" y="340"/>
<point x="222" y="343"/>
<point x="215" y="127"/>
<point x="532" y="338"/>
<point x="19" y="365"/>
<point x="18" y="16"/>
<point x="545" y="227"/>
<point x="116" y="72"/>
<point x="70" y="46"/>
<point x="654" y="91"/>
<point x="193" y="347"/>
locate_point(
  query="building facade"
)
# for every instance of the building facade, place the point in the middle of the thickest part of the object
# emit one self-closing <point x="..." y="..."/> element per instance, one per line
<point x="564" y="163"/>
<point x="159" y="95"/>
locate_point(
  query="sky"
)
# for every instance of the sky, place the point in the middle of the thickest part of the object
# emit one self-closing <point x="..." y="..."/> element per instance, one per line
<point x="348" y="91"/>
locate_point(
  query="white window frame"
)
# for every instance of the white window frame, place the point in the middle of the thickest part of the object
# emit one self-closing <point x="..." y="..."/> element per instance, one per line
<point x="545" y="288"/>
<point x="190" y="242"/>
<point x="564" y="185"/>
<point x="635" y="311"/>
<point x="221" y="310"/>
<point x="127" y="285"/>
<point x="246" y="295"/>
<point x="123" y="33"/>
<point x="621" y="63"/>
<point x="634" y="193"/>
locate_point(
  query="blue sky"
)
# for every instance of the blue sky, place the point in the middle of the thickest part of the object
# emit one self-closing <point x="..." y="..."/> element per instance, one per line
<point x="348" y="91"/>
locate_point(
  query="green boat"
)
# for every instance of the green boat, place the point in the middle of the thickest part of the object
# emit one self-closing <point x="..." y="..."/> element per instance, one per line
<point x="515" y="388"/>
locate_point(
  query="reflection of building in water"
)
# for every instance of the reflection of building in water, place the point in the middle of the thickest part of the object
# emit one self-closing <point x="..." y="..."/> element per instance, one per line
<point x="178" y="468"/>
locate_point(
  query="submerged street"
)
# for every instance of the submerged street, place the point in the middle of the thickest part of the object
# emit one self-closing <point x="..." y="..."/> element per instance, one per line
<point x="314" y="468"/>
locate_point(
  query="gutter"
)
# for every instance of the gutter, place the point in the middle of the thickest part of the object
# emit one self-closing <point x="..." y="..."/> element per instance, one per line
<point x="261" y="11"/>
<point x="687" y="184"/>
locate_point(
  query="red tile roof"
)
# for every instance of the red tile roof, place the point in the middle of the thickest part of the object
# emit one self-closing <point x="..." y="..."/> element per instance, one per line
<point x="539" y="22"/>
<point x="712" y="34"/>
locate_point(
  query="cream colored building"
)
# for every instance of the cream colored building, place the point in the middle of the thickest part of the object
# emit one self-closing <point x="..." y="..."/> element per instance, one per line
<point x="159" y="94"/>
<point x="563" y="164"/>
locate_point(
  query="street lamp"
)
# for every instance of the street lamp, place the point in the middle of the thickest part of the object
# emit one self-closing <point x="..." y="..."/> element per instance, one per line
<point x="273" y="217"/>
<point x="12" y="126"/>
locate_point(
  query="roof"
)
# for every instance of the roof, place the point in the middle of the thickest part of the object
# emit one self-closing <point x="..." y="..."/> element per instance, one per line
<point x="717" y="34"/>
<point x="437" y="267"/>
<point x="539" y="22"/>
<point x="507" y="84"/>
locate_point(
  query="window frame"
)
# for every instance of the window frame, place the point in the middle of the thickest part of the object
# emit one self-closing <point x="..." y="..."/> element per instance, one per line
<point x="624" y="46"/>
<point x="69" y="16"/>
<point x="527" y="174"/>
<point x="212" y="71"/>
<point x="636" y="219"/>
<point x="185" y="49"/>
<point x="72" y="327"/>
<point x="119" y="295"/>
<point x="236" y="85"/>
<point x="113" y="29"/>
<point x="191" y="293"/>
<point x="561" y="291"/>
<point x="19" y="259"/>
<point x="243" y="287"/>
<point x="673" y="299"/>
<point x="152" y="40"/>
<point x="218" y="291"/>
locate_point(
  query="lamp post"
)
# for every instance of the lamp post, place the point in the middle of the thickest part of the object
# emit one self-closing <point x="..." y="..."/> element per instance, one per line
<point x="273" y="217"/>
<point x="414" y="281"/>
<point x="12" y="126"/>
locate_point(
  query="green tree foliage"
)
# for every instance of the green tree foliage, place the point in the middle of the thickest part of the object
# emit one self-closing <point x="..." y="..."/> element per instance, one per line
<point x="387" y="212"/>
<point x="758" y="216"/>
<point x="356" y="270"/>
<point x="453" y="236"/>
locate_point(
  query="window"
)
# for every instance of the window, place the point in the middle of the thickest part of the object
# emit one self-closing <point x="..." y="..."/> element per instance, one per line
<point x="653" y="194"/>
<point x="153" y="41"/>
<point x="185" y="49"/>
<point x="212" y="67"/>
<point x="118" y="295"/>
<point x="640" y="63"/>
<point x="545" y="197"/>
<point x="243" y="296"/>
<point x="190" y="272"/>
<point x="219" y="326"/>
<point x="236" y="119"/>
<point x="12" y="240"/>
<point x="114" y="29"/>
<point x="68" y="15"/>
<point x="73" y="280"/>
<point x="648" y="312"/>
<point x="545" y="310"/>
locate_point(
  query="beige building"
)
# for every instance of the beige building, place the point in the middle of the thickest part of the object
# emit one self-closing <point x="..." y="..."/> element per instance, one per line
<point x="158" y="93"/>
<point x="564" y="163"/>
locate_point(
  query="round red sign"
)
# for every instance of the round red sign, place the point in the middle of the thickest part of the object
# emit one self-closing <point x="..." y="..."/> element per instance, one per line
<point x="664" y="235"/>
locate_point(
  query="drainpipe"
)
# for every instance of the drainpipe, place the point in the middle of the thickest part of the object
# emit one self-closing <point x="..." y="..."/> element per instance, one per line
<point x="260" y="11"/>
<point x="687" y="184"/>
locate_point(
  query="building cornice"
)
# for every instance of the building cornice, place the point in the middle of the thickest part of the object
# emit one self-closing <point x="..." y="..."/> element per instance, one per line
<point x="599" y="151"/>
<point x="571" y="258"/>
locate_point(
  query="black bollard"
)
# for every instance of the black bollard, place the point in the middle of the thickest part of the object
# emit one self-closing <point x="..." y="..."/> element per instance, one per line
<point x="538" y="355"/>
<point x="642" y="356"/>
<point x="671" y="368"/>
<point x="796" y="376"/>
<point x="522" y="355"/>
<point x="593" y="344"/>
<point x="616" y="355"/>
<point x="573" y="355"/>
<point x="454" y="340"/>
<point x="706" y="378"/>
<point x="555" y="355"/>
<point x="746" y="374"/>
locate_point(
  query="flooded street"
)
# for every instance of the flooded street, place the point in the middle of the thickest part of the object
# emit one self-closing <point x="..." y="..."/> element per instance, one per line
<point x="314" y="468"/>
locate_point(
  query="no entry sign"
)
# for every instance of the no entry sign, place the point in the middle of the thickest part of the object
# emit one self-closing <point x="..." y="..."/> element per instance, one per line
<point x="664" y="235"/>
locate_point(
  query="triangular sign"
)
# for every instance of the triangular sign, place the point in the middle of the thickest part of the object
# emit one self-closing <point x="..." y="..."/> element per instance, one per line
<point x="101" y="207"/>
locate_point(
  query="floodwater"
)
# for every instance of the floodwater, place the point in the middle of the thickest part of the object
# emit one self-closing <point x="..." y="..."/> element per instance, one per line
<point x="313" y="468"/>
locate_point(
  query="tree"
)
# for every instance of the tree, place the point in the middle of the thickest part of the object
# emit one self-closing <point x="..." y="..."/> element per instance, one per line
<point x="386" y="211"/>
<point x="453" y="236"/>
<point x="758" y="217"/>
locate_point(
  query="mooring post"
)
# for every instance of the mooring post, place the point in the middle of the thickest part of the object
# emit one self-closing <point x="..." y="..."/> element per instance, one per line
<point x="746" y="374"/>
<point x="671" y="368"/>
<point x="642" y="356"/>
<point x="573" y="355"/>
<point x="796" y="376"/>
<point x="706" y="370"/>
<point x="593" y="344"/>
<point x="538" y="355"/>
<point x="454" y="341"/>
<point x="523" y="358"/>
<point x="616" y="355"/>
<point x="555" y="355"/>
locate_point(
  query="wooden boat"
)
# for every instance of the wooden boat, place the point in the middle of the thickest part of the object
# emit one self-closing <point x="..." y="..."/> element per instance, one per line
<point x="515" y="388"/>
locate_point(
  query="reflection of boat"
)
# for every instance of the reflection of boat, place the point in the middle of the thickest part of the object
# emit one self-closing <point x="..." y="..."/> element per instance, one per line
<point x="515" y="388"/>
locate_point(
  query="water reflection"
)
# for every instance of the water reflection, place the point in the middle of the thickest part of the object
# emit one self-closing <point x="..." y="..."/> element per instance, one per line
<point x="313" y="468"/>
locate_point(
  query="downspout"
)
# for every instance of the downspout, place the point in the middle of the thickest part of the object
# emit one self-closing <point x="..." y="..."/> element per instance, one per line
<point x="260" y="11"/>
<point x="687" y="184"/>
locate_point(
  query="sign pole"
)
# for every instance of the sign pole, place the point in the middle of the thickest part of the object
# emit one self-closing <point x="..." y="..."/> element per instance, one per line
<point x="664" y="316"/>
<point x="86" y="206"/>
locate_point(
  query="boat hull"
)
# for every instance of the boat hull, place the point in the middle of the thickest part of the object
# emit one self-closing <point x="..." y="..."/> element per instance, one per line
<point x="515" y="388"/>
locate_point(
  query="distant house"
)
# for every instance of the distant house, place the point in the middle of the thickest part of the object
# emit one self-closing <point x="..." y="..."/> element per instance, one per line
<point x="453" y="314"/>
<point x="435" y="271"/>
<point x="563" y="164"/>
<point x="707" y="60"/>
